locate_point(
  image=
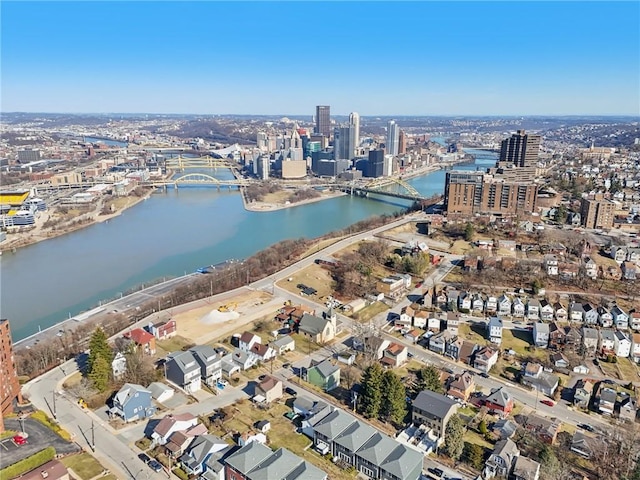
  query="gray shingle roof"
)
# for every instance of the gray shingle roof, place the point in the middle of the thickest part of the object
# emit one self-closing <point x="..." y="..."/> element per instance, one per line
<point x="312" y="325"/>
<point x="334" y="424"/>
<point x="278" y="465"/>
<point x="402" y="461"/>
<point x="377" y="448"/>
<point x="355" y="436"/>
<point x="434" y="403"/>
<point x="326" y="368"/>
<point x="249" y="456"/>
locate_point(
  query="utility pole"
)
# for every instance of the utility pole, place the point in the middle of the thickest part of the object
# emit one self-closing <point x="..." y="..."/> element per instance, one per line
<point x="93" y="437"/>
<point x="54" y="406"/>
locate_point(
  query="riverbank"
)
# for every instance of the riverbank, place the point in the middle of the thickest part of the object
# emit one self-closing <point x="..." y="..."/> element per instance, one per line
<point x="270" y="207"/>
<point x="38" y="234"/>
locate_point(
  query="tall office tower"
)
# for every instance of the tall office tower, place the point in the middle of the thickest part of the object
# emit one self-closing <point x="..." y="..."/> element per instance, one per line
<point x="262" y="139"/>
<point x="392" y="138"/>
<point x="375" y="166"/>
<point x="342" y="143"/>
<point x="296" y="141"/>
<point x="521" y="149"/>
<point x="402" y="142"/>
<point x="354" y="122"/>
<point x="323" y="120"/>
<point x="9" y="385"/>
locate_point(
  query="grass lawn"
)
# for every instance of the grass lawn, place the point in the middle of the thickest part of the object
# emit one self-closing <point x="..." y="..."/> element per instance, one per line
<point x="84" y="465"/>
<point x="303" y="344"/>
<point x="610" y="369"/>
<point x="313" y="276"/>
<point x="370" y="311"/>
<point x="474" y="334"/>
<point x="173" y="344"/>
<point x="474" y="437"/>
<point x="629" y="369"/>
<point x="461" y="247"/>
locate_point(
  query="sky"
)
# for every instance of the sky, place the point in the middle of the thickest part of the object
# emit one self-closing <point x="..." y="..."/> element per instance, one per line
<point x="376" y="58"/>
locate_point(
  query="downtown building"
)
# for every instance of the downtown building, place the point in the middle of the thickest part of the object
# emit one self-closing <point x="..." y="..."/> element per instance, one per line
<point x="393" y="138"/>
<point x="9" y="384"/>
<point x="323" y="120"/>
<point x="521" y="150"/>
<point x="597" y="212"/>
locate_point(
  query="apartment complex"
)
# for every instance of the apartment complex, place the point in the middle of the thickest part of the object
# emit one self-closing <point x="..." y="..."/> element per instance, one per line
<point x="597" y="212"/>
<point x="521" y="150"/>
<point x="9" y="385"/>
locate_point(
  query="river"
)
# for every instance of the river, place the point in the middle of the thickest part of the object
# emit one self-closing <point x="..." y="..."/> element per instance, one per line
<point x="167" y="235"/>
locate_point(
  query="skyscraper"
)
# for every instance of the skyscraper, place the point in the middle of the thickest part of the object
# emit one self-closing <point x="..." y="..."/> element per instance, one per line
<point x="354" y="122"/>
<point x="402" y="142"/>
<point x="9" y="385"/>
<point x="521" y="149"/>
<point x="375" y="166"/>
<point x="392" y="138"/>
<point x="323" y="120"/>
<point x="342" y="142"/>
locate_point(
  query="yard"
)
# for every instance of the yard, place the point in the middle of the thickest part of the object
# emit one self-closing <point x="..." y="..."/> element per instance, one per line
<point x="84" y="465"/>
<point x="173" y="344"/>
<point x="370" y="311"/>
<point x="313" y="276"/>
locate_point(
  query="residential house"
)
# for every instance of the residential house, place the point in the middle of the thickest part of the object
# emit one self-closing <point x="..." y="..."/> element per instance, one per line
<point x="395" y="355"/>
<point x="582" y="392"/>
<point x="551" y="265"/>
<point x="248" y="340"/>
<point x="319" y="329"/>
<point x="244" y="360"/>
<point x="534" y="376"/>
<point x="607" y="341"/>
<point x="556" y="336"/>
<point x="576" y="312"/>
<point x="405" y="320"/>
<point x="170" y="424"/>
<point x="504" y="305"/>
<point x="605" y="400"/>
<point x="629" y="271"/>
<point x="161" y="392"/>
<point x="477" y="303"/>
<point x="464" y="301"/>
<point x="270" y="389"/>
<point x="452" y="299"/>
<point x="462" y="386"/>
<point x="627" y="408"/>
<point x="604" y="317"/>
<point x="194" y="460"/>
<point x="420" y="319"/>
<point x="518" y="308"/>
<point x="179" y="441"/>
<point x="263" y="426"/>
<point x="467" y="351"/>
<point x="561" y="312"/>
<point x="525" y="469"/>
<point x="210" y="363"/>
<point x="183" y="370"/>
<point x="438" y="342"/>
<point x="572" y="339"/>
<point x="143" y="340"/>
<point x="499" y="401"/>
<point x="590" y="267"/>
<point x="544" y="428"/>
<point x="441" y="299"/>
<point x="132" y="402"/>
<point x="433" y="410"/>
<point x="434" y="324"/>
<point x="118" y="365"/>
<point x="541" y="334"/>
<point x="491" y="305"/>
<point x="413" y="336"/>
<point x="374" y="347"/>
<point x="622" y="344"/>
<point x="559" y="360"/>
<point x="453" y="322"/>
<point x="590" y="340"/>
<point x="591" y="315"/>
<point x="52" y="470"/>
<point x="283" y="344"/>
<point x="635" y="347"/>
<point x="501" y="459"/>
<point x="453" y="347"/>
<point x="584" y="445"/>
<point x="547" y="311"/>
<point x="163" y="330"/>
<point x="504" y="428"/>
<point x="324" y="375"/>
<point x="484" y="359"/>
<point x="263" y="353"/>
<point x="229" y="367"/>
<point x="533" y="309"/>
<point x="618" y="253"/>
<point x="495" y="330"/>
<point x="634" y="320"/>
<point x="620" y="318"/>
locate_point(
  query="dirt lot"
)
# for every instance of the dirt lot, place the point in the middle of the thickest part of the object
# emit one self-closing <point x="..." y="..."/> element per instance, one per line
<point x="313" y="276"/>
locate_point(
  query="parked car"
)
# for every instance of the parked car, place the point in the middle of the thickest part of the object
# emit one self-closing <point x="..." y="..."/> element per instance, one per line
<point x="19" y="440"/>
<point x="485" y="375"/>
<point x="155" y="466"/>
<point x="262" y="377"/>
<point x="586" y="426"/>
<point x="144" y="457"/>
<point x="291" y="391"/>
<point x="547" y="402"/>
<point x="286" y="365"/>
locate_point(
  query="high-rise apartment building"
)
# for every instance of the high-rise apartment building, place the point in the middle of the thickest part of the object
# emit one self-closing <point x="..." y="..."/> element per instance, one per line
<point x="393" y="135"/>
<point x="354" y="122"/>
<point x="597" y="212"/>
<point x="521" y="149"/>
<point x="402" y="143"/>
<point x="323" y="120"/>
<point x="9" y="385"/>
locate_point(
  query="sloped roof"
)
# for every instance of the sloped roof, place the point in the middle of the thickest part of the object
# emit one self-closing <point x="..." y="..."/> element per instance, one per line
<point x="326" y="368"/>
<point x="312" y="325"/>
<point x="355" y="436"/>
<point x="500" y="396"/>
<point x="128" y="391"/>
<point x="276" y="466"/>
<point x="247" y="337"/>
<point x="158" y="388"/>
<point x="434" y="403"/>
<point x="402" y="461"/>
<point x="249" y="456"/>
<point x="334" y="424"/>
<point x="269" y="383"/>
<point x="377" y="448"/>
<point x="140" y="336"/>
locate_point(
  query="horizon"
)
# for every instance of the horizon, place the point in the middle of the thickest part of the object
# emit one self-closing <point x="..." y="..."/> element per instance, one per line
<point x="422" y="58"/>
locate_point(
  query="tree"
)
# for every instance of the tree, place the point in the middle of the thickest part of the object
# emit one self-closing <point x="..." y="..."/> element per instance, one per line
<point x="372" y="391"/>
<point x="99" y="348"/>
<point x="549" y="464"/>
<point x="474" y="455"/>
<point x="394" y="394"/>
<point x="453" y="433"/>
<point x="536" y="285"/>
<point x="468" y="232"/>
<point x="140" y="368"/>
<point x="482" y="427"/>
<point x="429" y="379"/>
<point x="100" y="374"/>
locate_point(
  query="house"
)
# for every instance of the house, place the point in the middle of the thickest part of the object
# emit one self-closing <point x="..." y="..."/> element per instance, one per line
<point x="590" y="339"/>
<point x="462" y="386"/>
<point x="605" y="400"/>
<point x="179" y="441"/>
<point x="590" y="267"/>
<point x="525" y="469"/>
<point x="52" y="470"/>
<point x="591" y="315"/>
<point x="501" y="459"/>
<point x="584" y="445"/>
<point x="576" y="312"/>
<point x="618" y="253"/>
<point x="533" y="309"/>
<point x="118" y="365"/>
<point x="434" y="411"/>
<point x="248" y="340"/>
<point x="182" y="369"/>
<point x="438" y="342"/>
<point x="143" y="340"/>
<point x="132" y="402"/>
<point x="535" y="377"/>
<point x="283" y="344"/>
<point x="621" y="344"/>
<point x="270" y="389"/>
<point x="318" y="329"/>
<point x="210" y="363"/>
<point x="629" y="271"/>
<point x="452" y="299"/>
<point x="420" y="319"/>
<point x="484" y="359"/>
<point x="544" y="428"/>
<point x="556" y="336"/>
<point x="242" y="359"/>
<point x="256" y="461"/>
<point x="547" y="311"/>
<point x="405" y="320"/>
<point x="635" y="347"/>
<point x="504" y="428"/>
<point x="194" y="460"/>
<point x="263" y="353"/>
<point x="495" y="330"/>
<point x="607" y="341"/>
<point x="627" y="408"/>
<point x="561" y="312"/>
<point x="572" y="339"/>
<point x="551" y="265"/>
<point x="263" y="426"/>
<point x="467" y="351"/>
<point x="582" y="369"/>
<point x="582" y="392"/>
<point x="541" y="334"/>
<point x="324" y="375"/>
<point x="434" y="324"/>
<point x="620" y="318"/>
<point x="453" y="322"/>
<point x="373" y="346"/>
<point x="395" y="355"/>
<point x="604" y="317"/>
<point x="161" y="392"/>
<point x="634" y="319"/>
<point x="453" y="347"/>
<point x="163" y="330"/>
<point x="470" y="263"/>
<point x="504" y="305"/>
<point x="464" y="301"/>
<point x="499" y="401"/>
<point x="559" y="360"/>
<point x="518" y="308"/>
<point x="491" y="305"/>
<point x="170" y="424"/>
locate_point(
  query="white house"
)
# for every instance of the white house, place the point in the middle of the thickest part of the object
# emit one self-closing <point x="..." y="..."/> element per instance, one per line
<point x="622" y="344"/>
<point x="477" y="304"/>
<point x="491" y="305"/>
<point x="635" y="347"/>
<point x="604" y="317"/>
<point x="495" y="330"/>
<point x="541" y="334"/>
<point x="591" y="268"/>
<point x="533" y="309"/>
<point x="551" y="265"/>
<point x="518" y="307"/>
<point x="504" y="305"/>
<point x="620" y="318"/>
<point x="119" y="365"/>
<point x="248" y="340"/>
<point x="576" y="312"/>
<point x="546" y="311"/>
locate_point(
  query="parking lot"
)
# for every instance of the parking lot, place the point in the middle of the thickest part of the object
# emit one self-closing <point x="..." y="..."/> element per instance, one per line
<point x="39" y="438"/>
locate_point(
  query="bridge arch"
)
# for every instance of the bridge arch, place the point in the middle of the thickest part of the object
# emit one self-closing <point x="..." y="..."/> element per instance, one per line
<point x="196" y="178"/>
<point x="379" y="183"/>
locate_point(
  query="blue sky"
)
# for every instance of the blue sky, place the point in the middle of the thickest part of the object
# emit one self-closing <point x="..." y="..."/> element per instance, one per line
<point x="378" y="58"/>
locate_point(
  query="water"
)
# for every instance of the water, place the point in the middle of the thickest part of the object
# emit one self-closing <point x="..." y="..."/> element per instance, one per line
<point x="111" y="143"/>
<point x="169" y="234"/>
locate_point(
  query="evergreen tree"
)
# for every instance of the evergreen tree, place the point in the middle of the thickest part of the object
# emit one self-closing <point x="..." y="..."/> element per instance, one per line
<point x="98" y="347"/>
<point x="394" y="394"/>
<point x="371" y="400"/>
<point x="482" y="427"/>
<point x="453" y="433"/>
<point x="468" y="232"/>
<point x="100" y="374"/>
<point x="429" y="379"/>
<point x="474" y="455"/>
<point x="549" y="463"/>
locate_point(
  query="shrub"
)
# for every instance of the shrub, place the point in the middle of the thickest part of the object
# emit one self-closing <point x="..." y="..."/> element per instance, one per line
<point x="29" y="463"/>
<point x="180" y="473"/>
<point x="42" y="417"/>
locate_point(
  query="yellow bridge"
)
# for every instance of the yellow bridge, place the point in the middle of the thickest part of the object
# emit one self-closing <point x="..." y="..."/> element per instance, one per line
<point x="181" y="163"/>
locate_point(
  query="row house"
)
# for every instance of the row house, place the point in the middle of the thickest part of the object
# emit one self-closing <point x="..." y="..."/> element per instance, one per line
<point x="635" y="347"/>
<point x="625" y="254"/>
<point x="541" y="334"/>
<point x="434" y="411"/>
<point x="634" y="321"/>
<point x="547" y="312"/>
<point x="607" y="342"/>
<point x="494" y="328"/>
<point x="484" y="359"/>
<point x="620" y="318"/>
<point x="590" y="340"/>
<point x="604" y="317"/>
<point x="622" y="344"/>
<point x="533" y="309"/>
<point x="582" y="392"/>
<point x="189" y="368"/>
<point x="590" y="267"/>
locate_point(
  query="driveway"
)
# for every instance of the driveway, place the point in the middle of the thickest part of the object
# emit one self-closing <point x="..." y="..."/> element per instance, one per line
<point x="40" y="437"/>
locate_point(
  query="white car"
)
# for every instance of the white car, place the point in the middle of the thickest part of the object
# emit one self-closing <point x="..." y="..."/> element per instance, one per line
<point x="223" y="382"/>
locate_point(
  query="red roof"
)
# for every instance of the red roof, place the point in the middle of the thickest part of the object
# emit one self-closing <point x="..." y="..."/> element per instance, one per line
<point x="140" y="336"/>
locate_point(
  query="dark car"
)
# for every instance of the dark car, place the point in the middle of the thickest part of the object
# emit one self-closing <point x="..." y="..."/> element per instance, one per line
<point x="437" y="472"/>
<point x="586" y="427"/>
<point x="286" y="365"/>
<point x="485" y="375"/>
<point x="155" y="466"/>
<point x="262" y="377"/>
<point x="291" y="391"/>
<point x="144" y="457"/>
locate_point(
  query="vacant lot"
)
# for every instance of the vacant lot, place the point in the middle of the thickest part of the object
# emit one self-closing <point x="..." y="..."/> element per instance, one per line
<point x="84" y="465"/>
<point x="313" y="276"/>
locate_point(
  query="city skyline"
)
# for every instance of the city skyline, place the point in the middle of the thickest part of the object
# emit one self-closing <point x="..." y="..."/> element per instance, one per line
<point x="449" y="58"/>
